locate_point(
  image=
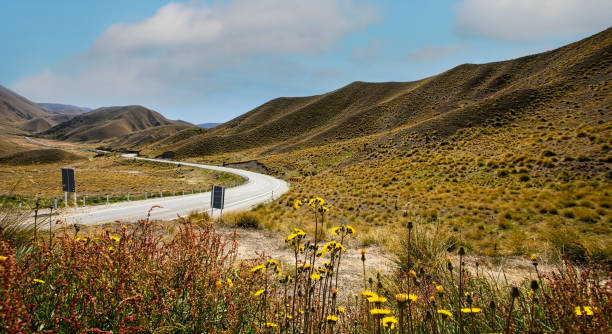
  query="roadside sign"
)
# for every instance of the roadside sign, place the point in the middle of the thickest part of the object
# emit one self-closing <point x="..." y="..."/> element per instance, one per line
<point x="217" y="199"/>
<point x="68" y="180"/>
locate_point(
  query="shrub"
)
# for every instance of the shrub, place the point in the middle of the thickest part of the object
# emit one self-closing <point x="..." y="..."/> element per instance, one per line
<point x="248" y="220"/>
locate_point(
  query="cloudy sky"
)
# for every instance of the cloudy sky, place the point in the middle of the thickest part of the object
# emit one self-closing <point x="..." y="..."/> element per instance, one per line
<point x="209" y="61"/>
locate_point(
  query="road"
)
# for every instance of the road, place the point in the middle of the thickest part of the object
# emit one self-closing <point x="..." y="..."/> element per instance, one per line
<point x="258" y="188"/>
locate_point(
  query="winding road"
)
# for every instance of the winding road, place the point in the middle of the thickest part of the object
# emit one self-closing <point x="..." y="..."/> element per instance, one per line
<point x="258" y="188"/>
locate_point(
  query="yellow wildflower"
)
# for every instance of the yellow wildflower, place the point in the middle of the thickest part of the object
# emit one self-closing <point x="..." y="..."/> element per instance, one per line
<point x="315" y="277"/>
<point x="412" y="273"/>
<point x="3" y="258"/>
<point x="332" y="319"/>
<point x="445" y="313"/>
<point x="377" y="299"/>
<point x="471" y="310"/>
<point x="335" y="230"/>
<point x="258" y="292"/>
<point x="271" y="324"/>
<point x="111" y="249"/>
<point x="368" y="293"/>
<point x="115" y="238"/>
<point x="218" y="284"/>
<point x="258" y="268"/>
<point x="584" y="310"/>
<point x="297" y="204"/>
<point x="230" y="283"/>
<point x="533" y="257"/>
<point x="439" y="288"/>
<point x="389" y="322"/>
<point x="350" y="229"/>
<point x="380" y="311"/>
<point x="340" y="309"/>
<point x="38" y="281"/>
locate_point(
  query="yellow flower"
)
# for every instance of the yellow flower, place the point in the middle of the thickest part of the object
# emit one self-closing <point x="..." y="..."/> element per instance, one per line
<point x="111" y="249"/>
<point x="315" y="277"/>
<point x="448" y="259"/>
<point x="258" y="292"/>
<point x="218" y="284"/>
<point x="271" y="324"/>
<point x="377" y="299"/>
<point x="297" y="204"/>
<point x="279" y="272"/>
<point x="368" y="293"/>
<point x="115" y="238"/>
<point x="363" y="251"/>
<point x="230" y="283"/>
<point x="258" y="268"/>
<point x="324" y="209"/>
<point x="332" y="319"/>
<point x="350" y="229"/>
<point x="432" y="298"/>
<point x="38" y="281"/>
<point x="389" y="322"/>
<point x="533" y="257"/>
<point x="3" y="258"/>
<point x="584" y="310"/>
<point x="314" y="202"/>
<point x="335" y="230"/>
<point x="445" y="313"/>
<point x="340" y="309"/>
<point x="439" y="288"/>
<point x="471" y="310"/>
<point x="412" y="273"/>
<point x="380" y="311"/>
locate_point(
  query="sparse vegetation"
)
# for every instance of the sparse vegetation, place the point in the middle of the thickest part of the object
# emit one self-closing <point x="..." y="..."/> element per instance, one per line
<point x="122" y="280"/>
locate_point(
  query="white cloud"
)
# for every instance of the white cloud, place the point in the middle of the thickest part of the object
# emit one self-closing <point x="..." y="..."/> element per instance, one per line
<point x="528" y="20"/>
<point x="178" y="51"/>
<point x="432" y="53"/>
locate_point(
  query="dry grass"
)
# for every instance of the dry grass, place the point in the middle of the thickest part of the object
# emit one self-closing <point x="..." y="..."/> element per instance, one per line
<point x="98" y="176"/>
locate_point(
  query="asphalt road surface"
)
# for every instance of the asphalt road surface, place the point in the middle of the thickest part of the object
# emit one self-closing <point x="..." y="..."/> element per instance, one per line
<point x="258" y="188"/>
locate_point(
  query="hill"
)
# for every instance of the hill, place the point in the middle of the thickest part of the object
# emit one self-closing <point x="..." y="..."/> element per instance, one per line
<point x="18" y="113"/>
<point x="505" y="158"/>
<point x="465" y="96"/>
<point x="106" y="123"/>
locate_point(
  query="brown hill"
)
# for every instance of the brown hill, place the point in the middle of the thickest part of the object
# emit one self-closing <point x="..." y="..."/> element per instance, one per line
<point x="17" y="112"/>
<point x="465" y="96"/>
<point x="106" y="123"/>
<point x="39" y="157"/>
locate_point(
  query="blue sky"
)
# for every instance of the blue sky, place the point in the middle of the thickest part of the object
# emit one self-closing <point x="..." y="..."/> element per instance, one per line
<point x="210" y="61"/>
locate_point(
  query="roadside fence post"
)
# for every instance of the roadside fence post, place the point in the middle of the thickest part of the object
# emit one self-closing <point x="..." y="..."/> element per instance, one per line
<point x="55" y="203"/>
<point x="145" y="195"/>
<point x="107" y="200"/>
<point x="128" y="197"/>
<point x="83" y="200"/>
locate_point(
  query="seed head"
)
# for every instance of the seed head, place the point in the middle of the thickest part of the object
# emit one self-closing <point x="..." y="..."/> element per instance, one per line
<point x="534" y="285"/>
<point x="409" y="225"/>
<point x="461" y="251"/>
<point x="514" y="292"/>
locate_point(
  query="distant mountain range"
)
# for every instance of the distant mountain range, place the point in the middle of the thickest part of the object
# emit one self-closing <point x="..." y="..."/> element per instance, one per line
<point x="64" y="108"/>
<point x="208" y="125"/>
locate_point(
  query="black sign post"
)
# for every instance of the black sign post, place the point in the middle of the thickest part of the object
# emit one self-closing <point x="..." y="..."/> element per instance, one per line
<point x="217" y="198"/>
<point x="68" y="185"/>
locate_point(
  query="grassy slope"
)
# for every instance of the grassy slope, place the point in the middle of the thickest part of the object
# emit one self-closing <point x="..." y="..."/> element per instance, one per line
<point x="465" y="96"/>
<point x="521" y="164"/>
